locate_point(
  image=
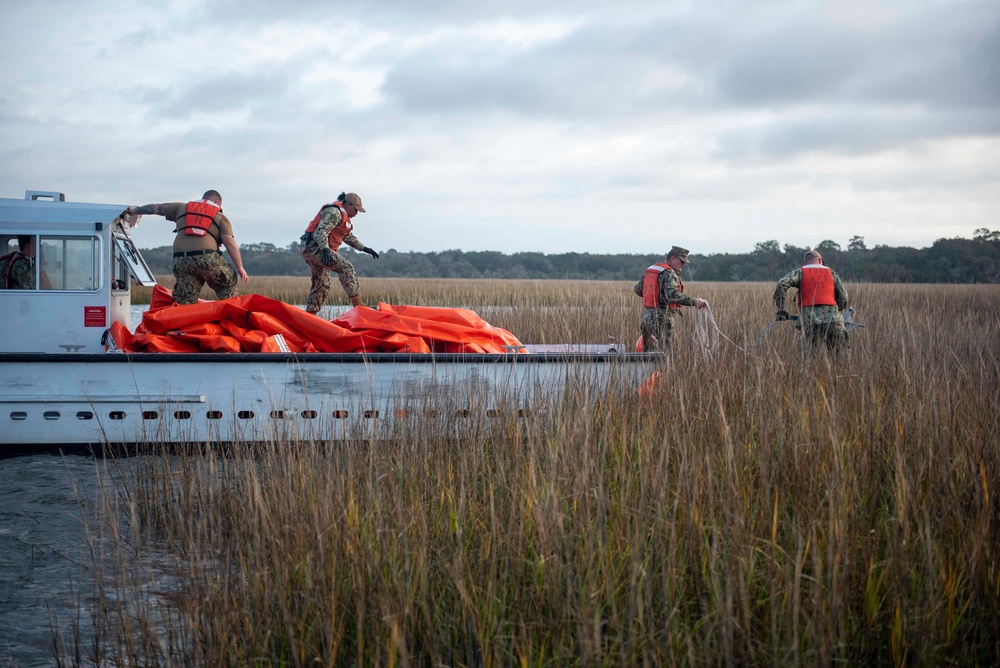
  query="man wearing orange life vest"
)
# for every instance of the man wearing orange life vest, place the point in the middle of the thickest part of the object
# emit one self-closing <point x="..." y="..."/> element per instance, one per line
<point x="821" y="298"/>
<point x="663" y="296"/>
<point x="331" y="227"/>
<point x="201" y="230"/>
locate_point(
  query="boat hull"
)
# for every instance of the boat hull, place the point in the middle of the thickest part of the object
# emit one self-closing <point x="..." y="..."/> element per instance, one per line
<point x="80" y="399"/>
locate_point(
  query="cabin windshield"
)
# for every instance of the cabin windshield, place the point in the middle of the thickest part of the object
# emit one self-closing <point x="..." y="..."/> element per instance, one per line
<point x="130" y="262"/>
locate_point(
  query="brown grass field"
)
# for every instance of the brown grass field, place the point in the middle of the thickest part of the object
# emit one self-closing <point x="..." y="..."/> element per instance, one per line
<point x="762" y="507"/>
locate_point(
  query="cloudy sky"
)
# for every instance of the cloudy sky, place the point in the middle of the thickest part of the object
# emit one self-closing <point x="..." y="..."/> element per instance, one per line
<point x="549" y="126"/>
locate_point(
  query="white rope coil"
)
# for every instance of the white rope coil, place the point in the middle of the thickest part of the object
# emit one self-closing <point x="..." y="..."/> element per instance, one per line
<point x="706" y="332"/>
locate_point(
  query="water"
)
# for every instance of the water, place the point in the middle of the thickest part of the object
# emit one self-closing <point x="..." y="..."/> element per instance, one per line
<point x="45" y="563"/>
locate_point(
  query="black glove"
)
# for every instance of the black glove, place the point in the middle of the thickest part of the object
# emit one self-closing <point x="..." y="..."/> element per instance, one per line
<point x="326" y="257"/>
<point x="370" y="251"/>
<point x="782" y="314"/>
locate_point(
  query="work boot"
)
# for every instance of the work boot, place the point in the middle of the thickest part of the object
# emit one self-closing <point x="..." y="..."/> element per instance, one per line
<point x="356" y="300"/>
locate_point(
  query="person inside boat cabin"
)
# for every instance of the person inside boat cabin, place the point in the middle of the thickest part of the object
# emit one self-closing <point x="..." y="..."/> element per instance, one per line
<point x="202" y="229"/>
<point x="17" y="269"/>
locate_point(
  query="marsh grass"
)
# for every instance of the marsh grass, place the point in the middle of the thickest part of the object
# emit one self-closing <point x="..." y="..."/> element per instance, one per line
<point x="777" y="508"/>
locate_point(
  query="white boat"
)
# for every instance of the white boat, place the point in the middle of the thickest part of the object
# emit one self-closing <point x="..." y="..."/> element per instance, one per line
<point x="61" y="386"/>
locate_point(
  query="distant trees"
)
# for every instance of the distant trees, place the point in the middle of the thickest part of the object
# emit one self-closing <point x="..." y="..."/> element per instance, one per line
<point x="828" y="247"/>
<point x="957" y="260"/>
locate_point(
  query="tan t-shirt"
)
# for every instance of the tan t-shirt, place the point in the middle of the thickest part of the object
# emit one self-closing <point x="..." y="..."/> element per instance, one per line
<point x="185" y="242"/>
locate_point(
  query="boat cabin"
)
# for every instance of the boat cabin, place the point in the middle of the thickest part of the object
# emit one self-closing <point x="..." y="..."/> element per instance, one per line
<point x="82" y="264"/>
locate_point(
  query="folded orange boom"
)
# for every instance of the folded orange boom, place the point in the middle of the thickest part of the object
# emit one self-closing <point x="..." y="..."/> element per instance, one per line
<point x="253" y="323"/>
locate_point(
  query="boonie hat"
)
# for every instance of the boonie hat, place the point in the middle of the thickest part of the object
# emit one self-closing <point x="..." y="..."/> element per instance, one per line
<point x="679" y="253"/>
<point x="355" y="199"/>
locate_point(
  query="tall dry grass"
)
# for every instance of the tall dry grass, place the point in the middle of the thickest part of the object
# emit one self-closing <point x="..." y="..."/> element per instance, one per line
<point x="768" y="507"/>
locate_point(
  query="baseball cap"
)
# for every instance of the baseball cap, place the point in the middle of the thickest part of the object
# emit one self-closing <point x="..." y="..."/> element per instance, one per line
<point x="355" y="199"/>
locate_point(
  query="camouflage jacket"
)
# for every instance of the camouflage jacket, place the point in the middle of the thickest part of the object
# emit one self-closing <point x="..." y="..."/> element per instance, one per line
<point x="328" y="220"/>
<point x="16" y="272"/>
<point x="820" y="314"/>
<point x="670" y="290"/>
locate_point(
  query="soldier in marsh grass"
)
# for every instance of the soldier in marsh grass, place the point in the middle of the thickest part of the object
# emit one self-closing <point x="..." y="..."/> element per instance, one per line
<point x="821" y="298"/>
<point x="663" y="296"/>
<point x="17" y="269"/>
<point x="331" y="227"/>
<point x="202" y="229"/>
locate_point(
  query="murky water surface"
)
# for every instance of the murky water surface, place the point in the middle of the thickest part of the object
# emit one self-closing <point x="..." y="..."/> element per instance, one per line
<point x="45" y="562"/>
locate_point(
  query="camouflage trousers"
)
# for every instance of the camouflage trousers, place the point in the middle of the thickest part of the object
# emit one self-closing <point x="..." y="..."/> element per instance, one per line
<point x="658" y="323"/>
<point x="192" y="273"/>
<point x="320" y="274"/>
<point x="824" y="325"/>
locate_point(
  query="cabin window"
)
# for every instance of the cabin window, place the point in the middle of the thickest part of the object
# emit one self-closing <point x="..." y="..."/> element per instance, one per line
<point x="69" y="263"/>
<point x="119" y="271"/>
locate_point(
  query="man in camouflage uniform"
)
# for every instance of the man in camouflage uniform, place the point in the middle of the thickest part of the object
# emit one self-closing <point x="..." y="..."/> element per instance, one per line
<point x="318" y="246"/>
<point x="821" y="298"/>
<point x="663" y="296"/>
<point x="17" y="269"/>
<point x="201" y="230"/>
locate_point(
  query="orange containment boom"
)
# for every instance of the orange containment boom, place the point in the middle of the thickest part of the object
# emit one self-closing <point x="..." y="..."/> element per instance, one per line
<point x="254" y="323"/>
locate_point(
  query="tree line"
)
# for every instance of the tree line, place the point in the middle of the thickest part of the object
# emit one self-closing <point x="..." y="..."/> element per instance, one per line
<point x="956" y="260"/>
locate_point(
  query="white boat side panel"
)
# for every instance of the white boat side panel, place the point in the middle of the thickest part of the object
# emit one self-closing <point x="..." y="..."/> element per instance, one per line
<point x="61" y="402"/>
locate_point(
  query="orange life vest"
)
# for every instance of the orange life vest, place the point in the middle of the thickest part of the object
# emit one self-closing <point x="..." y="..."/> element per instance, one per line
<point x="340" y="231"/>
<point x="198" y="217"/>
<point x="651" y="286"/>
<point x="816" y="287"/>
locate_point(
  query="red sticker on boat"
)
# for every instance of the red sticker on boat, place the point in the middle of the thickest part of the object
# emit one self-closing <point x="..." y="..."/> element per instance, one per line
<point x="95" y="316"/>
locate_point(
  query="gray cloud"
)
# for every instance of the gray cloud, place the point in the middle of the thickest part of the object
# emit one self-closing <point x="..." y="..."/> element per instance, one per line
<point x="945" y="60"/>
<point x="792" y="67"/>
<point x="852" y="131"/>
<point x="232" y="91"/>
<point x="945" y="56"/>
<point x="420" y="13"/>
<point x="592" y="73"/>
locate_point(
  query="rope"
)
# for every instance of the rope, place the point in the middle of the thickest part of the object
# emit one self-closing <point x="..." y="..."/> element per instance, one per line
<point x="706" y="333"/>
<point x="709" y="338"/>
